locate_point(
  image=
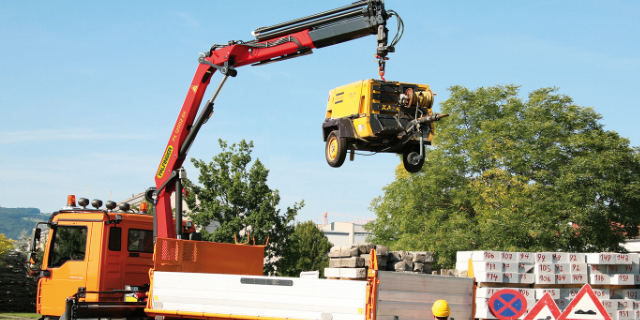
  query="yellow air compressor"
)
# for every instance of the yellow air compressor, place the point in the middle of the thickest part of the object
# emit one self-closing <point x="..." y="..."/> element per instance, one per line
<point x="379" y="116"/>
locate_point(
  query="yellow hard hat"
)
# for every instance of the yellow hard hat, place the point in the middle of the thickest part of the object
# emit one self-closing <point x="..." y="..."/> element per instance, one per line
<point x="440" y="308"/>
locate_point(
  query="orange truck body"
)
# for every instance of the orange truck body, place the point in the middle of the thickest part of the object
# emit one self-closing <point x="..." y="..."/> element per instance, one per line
<point x="111" y="259"/>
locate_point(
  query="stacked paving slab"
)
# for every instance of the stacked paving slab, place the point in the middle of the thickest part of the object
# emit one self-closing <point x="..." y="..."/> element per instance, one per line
<point x="614" y="277"/>
<point x="352" y="262"/>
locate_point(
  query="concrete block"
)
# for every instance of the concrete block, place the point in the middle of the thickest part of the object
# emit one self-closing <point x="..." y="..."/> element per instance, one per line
<point x="352" y="262"/>
<point x="631" y="294"/>
<point x="622" y="268"/>
<point x="545" y="257"/>
<point x="561" y="303"/>
<point x="462" y="259"/>
<point x="486" y="256"/>
<point x="486" y="293"/>
<point x="335" y="252"/>
<point x="510" y="267"/>
<point x="349" y="273"/>
<point x="509" y="257"/>
<point x="526" y="257"/>
<point x="626" y="315"/>
<point x="562" y="268"/>
<point x="544" y="268"/>
<point x="577" y="258"/>
<point x="395" y="256"/>
<point x="616" y="293"/>
<point x="563" y="278"/>
<point x="624" y="304"/>
<point x="382" y="260"/>
<point x="600" y="258"/>
<point x="597" y="269"/>
<point x="544" y="279"/>
<point x="382" y="250"/>
<point x="334" y="263"/>
<point x="418" y="267"/>
<point x="621" y="279"/>
<point x="366" y="248"/>
<point x="599" y="279"/>
<point x="554" y="293"/>
<point x="447" y="272"/>
<point x="488" y="276"/>
<point x="623" y="258"/>
<point x="526" y="278"/>
<point x="610" y="306"/>
<point x="575" y="267"/>
<point x="349" y="251"/>
<point x="419" y="257"/>
<point x="579" y="278"/>
<point x="561" y="257"/>
<point x="487" y="266"/>
<point x="524" y="267"/>
<point x="408" y="261"/>
<point x="510" y="277"/>
<point x="400" y="266"/>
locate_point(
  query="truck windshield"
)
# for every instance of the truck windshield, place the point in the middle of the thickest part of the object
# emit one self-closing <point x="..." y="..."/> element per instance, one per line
<point x="69" y="243"/>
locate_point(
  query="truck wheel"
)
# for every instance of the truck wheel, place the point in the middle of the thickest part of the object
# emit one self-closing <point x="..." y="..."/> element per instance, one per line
<point x="336" y="149"/>
<point x="411" y="160"/>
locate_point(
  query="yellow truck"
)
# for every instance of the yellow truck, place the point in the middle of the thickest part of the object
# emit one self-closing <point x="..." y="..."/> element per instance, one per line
<point x="379" y="116"/>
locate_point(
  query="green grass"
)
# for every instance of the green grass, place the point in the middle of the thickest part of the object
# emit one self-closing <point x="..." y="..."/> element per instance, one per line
<point x="13" y="315"/>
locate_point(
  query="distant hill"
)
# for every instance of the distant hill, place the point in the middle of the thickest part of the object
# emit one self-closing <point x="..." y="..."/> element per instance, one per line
<point x="14" y="220"/>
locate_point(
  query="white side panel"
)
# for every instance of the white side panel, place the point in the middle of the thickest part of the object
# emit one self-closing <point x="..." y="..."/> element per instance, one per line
<point x="225" y="294"/>
<point x="405" y="296"/>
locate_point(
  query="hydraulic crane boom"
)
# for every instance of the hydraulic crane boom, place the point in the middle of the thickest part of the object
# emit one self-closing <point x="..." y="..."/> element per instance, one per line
<point x="274" y="43"/>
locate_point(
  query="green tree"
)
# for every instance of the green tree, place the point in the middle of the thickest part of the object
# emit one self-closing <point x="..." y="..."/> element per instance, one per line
<point x="516" y="175"/>
<point x="307" y="250"/>
<point x="6" y="245"/>
<point x="236" y="197"/>
<point x="18" y="293"/>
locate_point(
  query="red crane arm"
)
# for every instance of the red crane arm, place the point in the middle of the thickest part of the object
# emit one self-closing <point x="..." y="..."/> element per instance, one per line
<point x="278" y="42"/>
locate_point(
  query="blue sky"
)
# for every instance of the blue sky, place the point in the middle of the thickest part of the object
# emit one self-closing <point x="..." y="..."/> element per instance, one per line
<point x="89" y="91"/>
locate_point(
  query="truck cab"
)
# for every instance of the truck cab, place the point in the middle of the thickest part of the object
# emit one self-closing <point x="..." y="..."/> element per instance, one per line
<point x="100" y="252"/>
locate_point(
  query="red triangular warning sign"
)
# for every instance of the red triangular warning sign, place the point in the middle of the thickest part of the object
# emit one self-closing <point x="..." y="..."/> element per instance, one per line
<point x="585" y="306"/>
<point x="545" y="307"/>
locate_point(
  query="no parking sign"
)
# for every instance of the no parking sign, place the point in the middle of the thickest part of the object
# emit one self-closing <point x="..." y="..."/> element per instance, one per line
<point x="507" y="304"/>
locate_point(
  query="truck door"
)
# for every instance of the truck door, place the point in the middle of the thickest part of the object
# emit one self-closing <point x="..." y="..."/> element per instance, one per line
<point x="67" y="263"/>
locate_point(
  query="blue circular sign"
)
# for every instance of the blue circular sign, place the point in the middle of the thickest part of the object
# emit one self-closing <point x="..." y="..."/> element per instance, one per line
<point x="507" y="304"/>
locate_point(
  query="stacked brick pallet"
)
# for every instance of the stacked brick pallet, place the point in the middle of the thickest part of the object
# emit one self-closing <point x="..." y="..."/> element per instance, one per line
<point x="614" y="277"/>
<point x="352" y="262"/>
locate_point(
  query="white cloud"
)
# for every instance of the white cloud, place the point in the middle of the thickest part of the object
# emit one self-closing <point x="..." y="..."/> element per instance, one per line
<point x="65" y="134"/>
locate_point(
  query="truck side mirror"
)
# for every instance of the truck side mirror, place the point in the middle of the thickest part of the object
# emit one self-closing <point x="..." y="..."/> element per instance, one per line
<point x="35" y="236"/>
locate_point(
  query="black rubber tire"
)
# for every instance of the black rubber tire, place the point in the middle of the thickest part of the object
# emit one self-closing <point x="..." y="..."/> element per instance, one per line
<point x="335" y="151"/>
<point x="411" y="152"/>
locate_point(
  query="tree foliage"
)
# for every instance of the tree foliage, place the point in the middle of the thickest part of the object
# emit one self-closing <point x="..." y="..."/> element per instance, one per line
<point x="17" y="289"/>
<point x="5" y="244"/>
<point x="307" y="250"/>
<point x="513" y="174"/>
<point x="233" y="194"/>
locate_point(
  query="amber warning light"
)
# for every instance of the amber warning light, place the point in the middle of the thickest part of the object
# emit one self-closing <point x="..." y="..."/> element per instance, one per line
<point x="143" y="207"/>
<point x="71" y="200"/>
